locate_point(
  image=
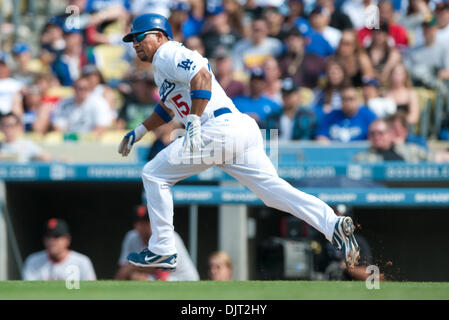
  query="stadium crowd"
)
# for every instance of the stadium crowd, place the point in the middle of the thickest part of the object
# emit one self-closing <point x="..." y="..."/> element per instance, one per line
<point x="313" y="69"/>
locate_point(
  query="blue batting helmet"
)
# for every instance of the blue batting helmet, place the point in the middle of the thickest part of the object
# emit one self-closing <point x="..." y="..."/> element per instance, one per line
<point x="147" y="22"/>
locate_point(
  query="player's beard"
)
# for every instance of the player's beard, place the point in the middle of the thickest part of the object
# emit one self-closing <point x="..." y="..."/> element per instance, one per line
<point x="143" y="57"/>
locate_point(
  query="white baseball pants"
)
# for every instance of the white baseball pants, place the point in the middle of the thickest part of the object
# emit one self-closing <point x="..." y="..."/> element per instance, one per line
<point x="238" y="138"/>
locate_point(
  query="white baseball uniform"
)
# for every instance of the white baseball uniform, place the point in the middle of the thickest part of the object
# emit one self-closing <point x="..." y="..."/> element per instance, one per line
<point x="237" y="146"/>
<point x="38" y="266"/>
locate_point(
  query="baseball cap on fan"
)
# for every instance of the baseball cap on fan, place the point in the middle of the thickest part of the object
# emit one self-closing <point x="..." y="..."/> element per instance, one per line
<point x="289" y="86"/>
<point x="320" y="10"/>
<point x="257" y="73"/>
<point x="56" y="228"/>
<point x="20" y="47"/>
<point x="140" y="213"/>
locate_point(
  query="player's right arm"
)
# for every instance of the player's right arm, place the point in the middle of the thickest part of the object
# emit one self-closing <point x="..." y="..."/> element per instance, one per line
<point x="160" y="116"/>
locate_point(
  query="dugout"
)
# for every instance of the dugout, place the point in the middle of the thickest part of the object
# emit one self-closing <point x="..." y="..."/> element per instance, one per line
<point x="408" y="243"/>
<point x="99" y="215"/>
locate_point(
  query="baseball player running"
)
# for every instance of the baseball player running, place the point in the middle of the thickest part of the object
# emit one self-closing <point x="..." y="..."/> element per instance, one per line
<point x="189" y="90"/>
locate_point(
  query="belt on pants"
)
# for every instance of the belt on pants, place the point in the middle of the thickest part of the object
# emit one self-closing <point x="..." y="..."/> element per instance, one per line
<point x="221" y="111"/>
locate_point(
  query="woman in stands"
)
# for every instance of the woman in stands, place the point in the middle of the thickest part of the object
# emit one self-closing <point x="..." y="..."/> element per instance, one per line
<point x="273" y="80"/>
<point x="383" y="55"/>
<point x="329" y="97"/>
<point x="402" y="92"/>
<point x="354" y="59"/>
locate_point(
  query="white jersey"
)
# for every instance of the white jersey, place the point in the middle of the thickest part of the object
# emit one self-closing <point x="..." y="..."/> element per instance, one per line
<point x="185" y="269"/>
<point x="174" y="67"/>
<point x="38" y="266"/>
<point x="8" y="89"/>
<point x="21" y="150"/>
<point x="94" y="111"/>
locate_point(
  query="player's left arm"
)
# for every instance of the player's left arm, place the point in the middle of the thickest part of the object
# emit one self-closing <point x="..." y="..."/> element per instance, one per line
<point x="200" y="91"/>
<point x="200" y="94"/>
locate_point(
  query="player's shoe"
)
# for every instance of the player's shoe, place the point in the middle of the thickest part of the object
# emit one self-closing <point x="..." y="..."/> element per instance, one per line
<point x="148" y="259"/>
<point x="344" y="240"/>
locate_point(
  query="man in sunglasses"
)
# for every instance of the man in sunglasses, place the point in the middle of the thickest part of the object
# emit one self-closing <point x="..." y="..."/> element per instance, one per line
<point x="217" y="134"/>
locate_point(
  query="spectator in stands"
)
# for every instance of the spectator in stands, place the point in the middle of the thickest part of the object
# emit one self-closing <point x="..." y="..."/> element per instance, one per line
<point x="57" y="261"/>
<point x="293" y="121"/>
<point x="356" y="9"/>
<point x="382" y="54"/>
<point x="329" y="98"/>
<point x="220" y="33"/>
<point x="179" y="13"/>
<point x="82" y="113"/>
<point x="140" y="103"/>
<point x="398" y="34"/>
<point x="94" y="18"/>
<point x="47" y="82"/>
<point x="10" y="96"/>
<point x="382" y="146"/>
<point x="101" y="5"/>
<point x="348" y="124"/>
<point x="273" y="80"/>
<point x="251" y="53"/>
<point x="304" y="67"/>
<point x="235" y="12"/>
<point x="220" y="266"/>
<point x="52" y="38"/>
<point x="36" y="116"/>
<point x="14" y="147"/>
<point x="275" y="19"/>
<point x="297" y="17"/>
<point x="417" y="12"/>
<point x="98" y="84"/>
<point x="186" y="18"/>
<point x="104" y="20"/>
<point x="255" y="104"/>
<point x="354" y="59"/>
<point x="195" y="43"/>
<point x="339" y="20"/>
<point x="428" y="64"/>
<point x="385" y="148"/>
<point x="442" y="15"/>
<point x="161" y="7"/>
<point x="68" y="65"/>
<point x="399" y="126"/>
<point x="315" y="42"/>
<point x="224" y="75"/>
<point x="403" y="94"/>
<point x="320" y="18"/>
<point x="381" y="106"/>
<point x="137" y="239"/>
<point x="22" y="56"/>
